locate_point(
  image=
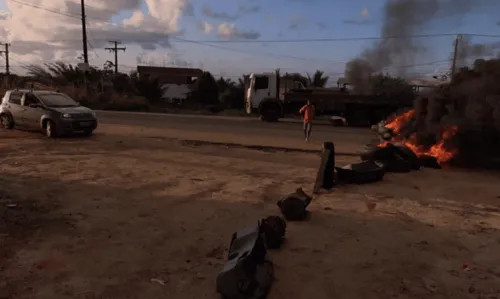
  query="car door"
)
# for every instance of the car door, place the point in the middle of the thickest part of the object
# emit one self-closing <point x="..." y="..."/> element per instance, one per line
<point x="15" y="108"/>
<point x="32" y="111"/>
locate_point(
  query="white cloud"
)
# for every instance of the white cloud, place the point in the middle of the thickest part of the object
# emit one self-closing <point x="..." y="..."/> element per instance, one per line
<point x="206" y="28"/>
<point x="135" y="20"/>
<point x="50" y="29"/>
<point x="229" y="31"/>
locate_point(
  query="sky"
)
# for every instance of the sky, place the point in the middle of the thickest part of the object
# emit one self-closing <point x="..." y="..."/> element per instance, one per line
<point x="227" y="37"/>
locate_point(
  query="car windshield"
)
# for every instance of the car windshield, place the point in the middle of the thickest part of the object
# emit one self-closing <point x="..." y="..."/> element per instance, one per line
<point x="57" y="100"/>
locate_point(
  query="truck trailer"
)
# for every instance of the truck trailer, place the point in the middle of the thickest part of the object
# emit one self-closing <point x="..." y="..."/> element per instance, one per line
<point x="272" y="97"/>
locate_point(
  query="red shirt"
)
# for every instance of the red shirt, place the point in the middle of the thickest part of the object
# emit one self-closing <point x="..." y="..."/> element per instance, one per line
<point x="308" y="113"/>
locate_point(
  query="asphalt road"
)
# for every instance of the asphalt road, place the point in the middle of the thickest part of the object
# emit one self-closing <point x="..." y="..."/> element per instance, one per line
<point x="234" y="125"/>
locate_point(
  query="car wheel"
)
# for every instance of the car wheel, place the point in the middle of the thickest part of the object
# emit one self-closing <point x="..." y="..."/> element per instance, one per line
<point x="50" y="129"/>
<point x="87" y="132"/>
<point x="6" y="121"/>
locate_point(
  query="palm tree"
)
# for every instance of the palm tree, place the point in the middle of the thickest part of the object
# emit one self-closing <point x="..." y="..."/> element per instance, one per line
<point x="317" y="79"/>
<point x="243" y="81"/>
<point x="225" y="84"/>
<point x="296" y="77"/>
<point x="60" y="73"/>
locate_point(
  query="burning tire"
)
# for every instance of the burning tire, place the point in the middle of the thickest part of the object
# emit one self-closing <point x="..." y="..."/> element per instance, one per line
<point x="407" y="154"/>
<point x="393" y="158"/>
<point x="429" y="162"/>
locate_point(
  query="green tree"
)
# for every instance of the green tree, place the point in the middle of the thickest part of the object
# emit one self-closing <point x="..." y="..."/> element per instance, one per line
<point x="243" y="81"/>
<point x="296" y="77"/>
<point x="61" y="73"/>
<point x="149" y="88"/>
<point x="206" y="91"/>
<point x="317" y="80"/>
<point x="384" y="86"/>
<point x="224" y="84"/>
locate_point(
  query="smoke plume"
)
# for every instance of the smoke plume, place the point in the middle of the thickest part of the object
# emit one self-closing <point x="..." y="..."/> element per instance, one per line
<point x="467" y="51"/>
<point x="403" y="19"/>
<point x="469" y="105"/>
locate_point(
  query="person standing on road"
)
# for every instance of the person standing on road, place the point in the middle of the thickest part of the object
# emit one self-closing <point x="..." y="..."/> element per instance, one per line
<point x="307" y="112"/>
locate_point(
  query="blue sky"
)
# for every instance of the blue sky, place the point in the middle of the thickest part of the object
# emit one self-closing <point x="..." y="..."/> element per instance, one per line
<point x="318" y="19"/>
<point x="314" y="19"/>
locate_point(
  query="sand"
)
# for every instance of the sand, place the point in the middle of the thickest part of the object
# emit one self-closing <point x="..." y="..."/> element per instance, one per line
<point x="129" y="216"/>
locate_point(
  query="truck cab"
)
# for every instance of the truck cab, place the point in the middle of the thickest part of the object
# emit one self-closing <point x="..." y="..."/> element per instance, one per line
<point x="265" y="95"/>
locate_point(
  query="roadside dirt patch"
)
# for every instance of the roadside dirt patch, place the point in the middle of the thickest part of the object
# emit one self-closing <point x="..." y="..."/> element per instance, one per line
<point x="136" y="217"/>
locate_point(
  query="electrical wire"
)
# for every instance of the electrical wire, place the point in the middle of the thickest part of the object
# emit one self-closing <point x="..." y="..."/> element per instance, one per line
<point x="341" y="39"/>
<point x="210" y="43"/>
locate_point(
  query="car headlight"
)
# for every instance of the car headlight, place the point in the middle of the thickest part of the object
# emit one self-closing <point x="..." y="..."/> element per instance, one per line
<point x="66" y="115"/>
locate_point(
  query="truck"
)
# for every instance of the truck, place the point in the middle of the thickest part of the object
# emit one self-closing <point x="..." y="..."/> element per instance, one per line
<point x="272" y="97"/>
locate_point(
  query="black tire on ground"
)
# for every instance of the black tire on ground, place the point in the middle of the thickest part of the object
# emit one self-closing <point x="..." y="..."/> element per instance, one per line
<point x="6" y="121"/>
<point x="50" y="129"/>
<point x="361" y="173"/>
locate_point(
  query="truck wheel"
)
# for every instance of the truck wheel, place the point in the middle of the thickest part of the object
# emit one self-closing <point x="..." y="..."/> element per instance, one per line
<point x="248" y="108"/>
<point x="270" y="112"/>
<point x="6" y="121"/>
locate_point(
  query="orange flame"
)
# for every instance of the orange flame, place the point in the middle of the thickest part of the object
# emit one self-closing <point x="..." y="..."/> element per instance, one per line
<point x="438" y="150"/>
<point x="399" y="121"/>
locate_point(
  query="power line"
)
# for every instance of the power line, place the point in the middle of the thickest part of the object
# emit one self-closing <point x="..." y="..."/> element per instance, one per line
<point x="210" y="43"/>
<point x="182" y="40"/>
<point x="115" y="49"/>
<point x="346" y="39"/>
<point x="67" y="14"/>
<point x="340" y="39"/>
<point x="91" y="43"/>
<point x="252" y="52"/>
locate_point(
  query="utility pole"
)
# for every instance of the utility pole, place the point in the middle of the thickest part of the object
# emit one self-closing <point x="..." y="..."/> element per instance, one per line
<point x="7" y="62"/>
<point x="84" y="34"/>
<point x="115" y="49"/>
<point x="455" y="55"/>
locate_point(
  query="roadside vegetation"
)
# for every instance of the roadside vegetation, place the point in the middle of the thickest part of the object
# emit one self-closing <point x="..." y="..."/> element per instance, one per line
<point x="102" y="89"/>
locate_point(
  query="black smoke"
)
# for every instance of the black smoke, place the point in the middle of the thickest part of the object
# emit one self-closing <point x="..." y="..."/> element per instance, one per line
<point x="470" y="102"/>
<point x="398" y="47"/>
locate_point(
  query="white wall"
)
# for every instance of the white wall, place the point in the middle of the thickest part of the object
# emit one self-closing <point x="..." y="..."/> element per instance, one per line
<point x="174" y="91"/>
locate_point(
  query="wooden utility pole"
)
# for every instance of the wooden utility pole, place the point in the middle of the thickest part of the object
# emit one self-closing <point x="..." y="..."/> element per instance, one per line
<point x="7" y="62"/>
<point x="115" y="49"/>
<point x="455" y="55"/>
<point x="84" y="34"/>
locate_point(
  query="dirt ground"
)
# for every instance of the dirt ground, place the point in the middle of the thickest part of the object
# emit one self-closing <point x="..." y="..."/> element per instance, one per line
<point x="137" y="217"/>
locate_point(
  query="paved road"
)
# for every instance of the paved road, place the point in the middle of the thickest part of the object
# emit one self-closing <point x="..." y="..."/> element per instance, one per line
<point x="234" y="125"/>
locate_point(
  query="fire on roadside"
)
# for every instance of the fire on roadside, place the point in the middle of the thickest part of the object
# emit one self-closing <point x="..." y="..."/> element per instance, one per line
<point x="439" y="150"/>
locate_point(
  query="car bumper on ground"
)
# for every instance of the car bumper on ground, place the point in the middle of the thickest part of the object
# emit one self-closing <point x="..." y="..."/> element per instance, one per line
<point x="72" y="126"/>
